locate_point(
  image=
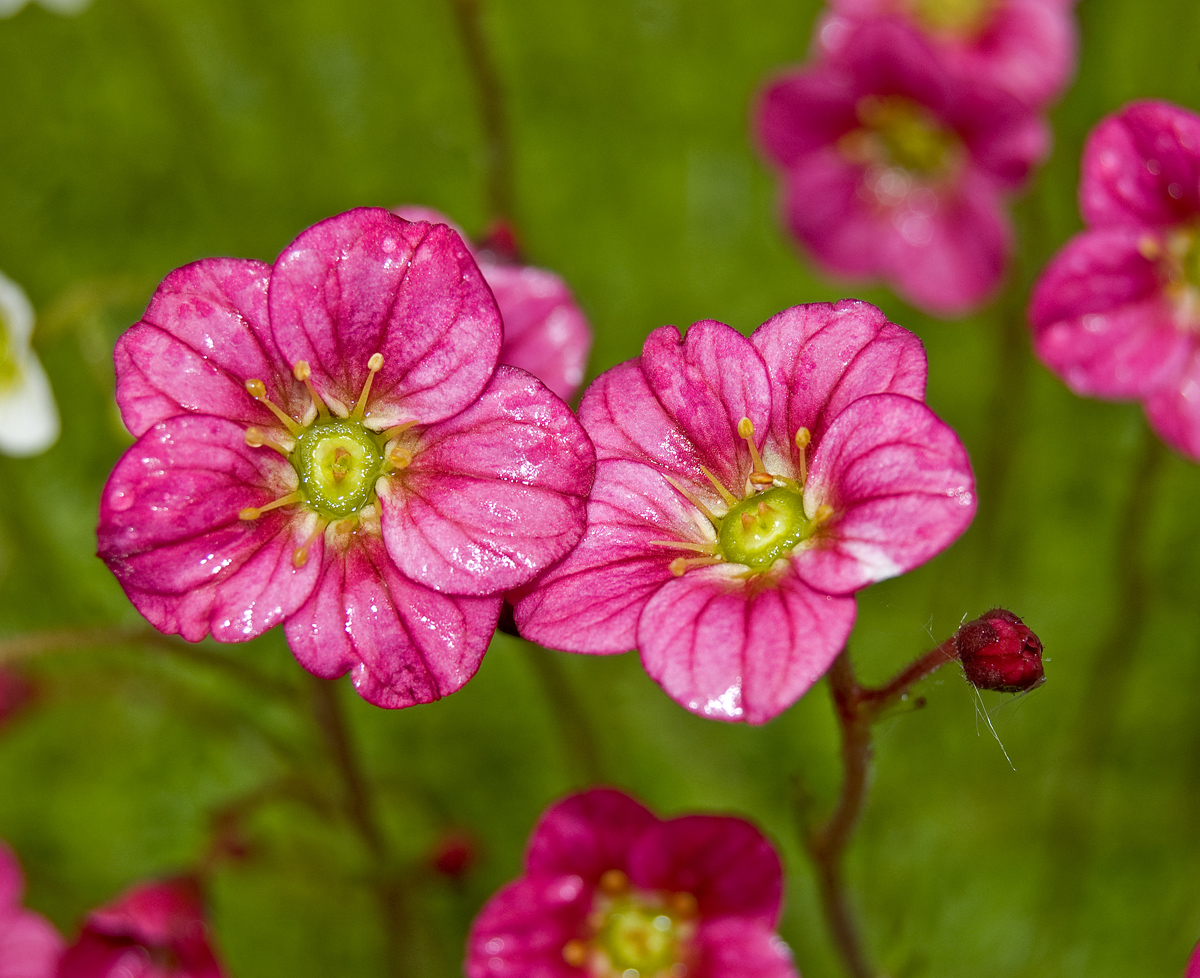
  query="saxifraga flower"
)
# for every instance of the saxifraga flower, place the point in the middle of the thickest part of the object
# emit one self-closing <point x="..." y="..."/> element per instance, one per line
<point x="28" y="415"/>
<point x="745" y="489"/>
<point x="1024" y="47"/>
<point x="1116" y="314"/>
<point x="328" y="443"/>
<point x="609" y="889"/>
<point x="545" y="331"/>
<point x="156" y="930"/>
<point x="29" y="944"/>
<point x="894" y="168"/>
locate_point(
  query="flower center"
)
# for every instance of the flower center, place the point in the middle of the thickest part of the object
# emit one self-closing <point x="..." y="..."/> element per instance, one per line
<point x="1178" y="258"/>
<point x="338" y="462"/>
<point x="964" y="18"/>
<point x="897" y="131"/>
<point x="635" y="934"/>
<point x="764" y="527"/>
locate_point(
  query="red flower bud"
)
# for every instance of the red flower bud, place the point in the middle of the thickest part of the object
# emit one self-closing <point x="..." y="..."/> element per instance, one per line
<point x="455" y="853"/>
<point x="998" y="651"/>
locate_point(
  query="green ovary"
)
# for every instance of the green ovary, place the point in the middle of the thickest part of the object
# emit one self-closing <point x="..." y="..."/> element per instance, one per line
<point x="963" y="17"/>
<point x="910" y="136"/>
<point x="761" y="529"/>
<point x="639" y="938"/>
<point x="338" y="463"/>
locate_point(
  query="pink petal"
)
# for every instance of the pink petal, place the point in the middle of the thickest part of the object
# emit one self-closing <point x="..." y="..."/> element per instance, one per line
<point x="801" y="112"/>
<point x="732" y="652"/>
<point x="494" y="495"/>
<point x="367" y="282"/>
<point x="591" y="602"/>
<point x="204" y="335"/>
<point x="1142" y="167"/>
<point x="29" y="946"/>
<point x="416" y="212"/>
<point x="1193" y="969"/>
<point x="544" y="330"/>
<point x="404" y="643"/>
<point x="823" y="356"/>
<point x="521" y="931"/>
<point x="1028" y="48"/>
<point x="901" y="488"/>
<point x="733" y="948"/>
<point x="169" y="530"/>
<point x="725" y="863"/>
<point x="587" y="834"/>
<point x="1101" y="320"/>
<point x="1173" y="408"/>
<point x="12" y="880"/>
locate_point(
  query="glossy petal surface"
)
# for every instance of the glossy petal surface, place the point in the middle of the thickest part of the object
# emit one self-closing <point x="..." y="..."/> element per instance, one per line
<point x="588" y="834"/>
<point x="29" y="945"/>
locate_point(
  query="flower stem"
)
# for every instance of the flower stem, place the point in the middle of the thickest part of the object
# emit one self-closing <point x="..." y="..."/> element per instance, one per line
<point x="468" y="15"/>
<point x="857" y="708"/>
<point x="569" y="715"/>
<point x="360" y="811"/>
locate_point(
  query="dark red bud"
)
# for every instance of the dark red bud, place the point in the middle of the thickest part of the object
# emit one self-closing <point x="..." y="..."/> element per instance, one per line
<point x="998" y="651"/>
<point x="16" y="693"/>
<point x="455" y="853"/>
<point x="500" y="245"/>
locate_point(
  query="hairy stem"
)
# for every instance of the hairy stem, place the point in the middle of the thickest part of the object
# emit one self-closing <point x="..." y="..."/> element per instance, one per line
<point x="468" y="15"/>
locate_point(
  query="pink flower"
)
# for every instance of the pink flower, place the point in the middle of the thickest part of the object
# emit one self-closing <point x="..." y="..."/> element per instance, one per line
<point x="545" y="332"/>
<point x="1024" y="47"/>
<point x="155" y="930"/>
<point x="745" y="489"/>
<point x="609" y="888"/>
<point x="894" y="168"/>
<point x="328" y="443"/>
<point x="1116" y="314"/>
<point x="1193" y="968"/>
<point x="29" y="945"/>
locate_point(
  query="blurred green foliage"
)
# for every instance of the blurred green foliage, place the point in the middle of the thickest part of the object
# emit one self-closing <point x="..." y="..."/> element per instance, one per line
<point x="148" y="133"/>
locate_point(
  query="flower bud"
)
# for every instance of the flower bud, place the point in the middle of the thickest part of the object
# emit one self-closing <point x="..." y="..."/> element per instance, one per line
<point x="455" y="854"/>
<point x="998" y="651"/>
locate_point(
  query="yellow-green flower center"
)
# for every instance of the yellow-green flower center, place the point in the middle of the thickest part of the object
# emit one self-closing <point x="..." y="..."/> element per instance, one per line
<point x="960" y="17"/>
<point x="337" y="462"/>
<point x="898" y="131"/>
<point x="764" y="527"/>
<point x="640" y="938"/>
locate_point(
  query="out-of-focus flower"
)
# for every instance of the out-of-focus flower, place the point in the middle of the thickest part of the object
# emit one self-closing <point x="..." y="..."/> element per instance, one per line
<point x="1116" y="314"/>
<point x="328" y="442"/>
<point x="998" y="651"/>
<point x="1193" y="969"/>
<point x="29" y="945"/>
<point x="68" y="7"/>
<point x="745" y="489"/>
<point x="454" y="853"/>
<point x="609" y="889"/>
<point x="545" y="332"/>
<point x="28" y="416"/>
<point x="1024" y="47"/>
<point x="16" y="692"/>
<point x="893" y="168"/>
<point x="155" y="930"/>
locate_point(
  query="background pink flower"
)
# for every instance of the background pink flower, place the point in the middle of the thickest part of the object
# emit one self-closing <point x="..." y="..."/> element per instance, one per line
<point x="895" y="168"/>
<point x="329" y="443"/>
<point x="745" y="489"/>
<point x="1024" y="47"/>
<point x="156" y="930"/>
<point x="545" y="331"/>
<point x="609" y="887"/>
<point x="29" y="944"/>
<point x="1117" y="312"/>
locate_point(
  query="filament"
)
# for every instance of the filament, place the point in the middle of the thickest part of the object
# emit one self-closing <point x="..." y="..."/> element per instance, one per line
<point x="254" y="512"/>
<point x="373" y="365"/>
<point x="303" y="374"/>
<point x="258" y="390"/>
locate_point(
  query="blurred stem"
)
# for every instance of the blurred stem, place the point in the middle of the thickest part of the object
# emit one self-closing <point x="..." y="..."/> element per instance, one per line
<point x="468" y="16"/>
<point x="569" y="715"/>
<point x="359" y="808"/>
<point x="857" y="708"/>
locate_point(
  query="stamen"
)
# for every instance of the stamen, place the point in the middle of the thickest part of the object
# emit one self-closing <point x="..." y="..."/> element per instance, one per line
<point x="824" y="511"/>
<point x="681" y="565"/>
<point x="730" y="498"/>
<point x="256" y="439"/>
<point x="373" y="365"/>
<point x="1149" y="247"/>
<point x="614" y="881"/>
<point x="400" y="457"/>
<point x="399" y="429"/>
<point x="300" y="554"/>
<point x="254" y="512"/>
<point x="303" y="374"/>
<point x="711" y="516"/>
<point x="700" y="548"/>
<point x="258" y="390"/>
<point x="575" y="953"/>
<point x="803" y="437"/>
<point x="683" y="904"/>
<point x="759" y="475"/>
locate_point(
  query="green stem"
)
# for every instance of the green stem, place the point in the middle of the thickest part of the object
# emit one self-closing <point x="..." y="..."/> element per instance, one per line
<point x="570" y="716"/>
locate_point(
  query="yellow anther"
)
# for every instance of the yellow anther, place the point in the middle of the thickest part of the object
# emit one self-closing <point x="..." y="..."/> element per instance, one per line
<point x="575" y="953"/>
<point x="400" y="457"/>
<point x="758" y="476"/>
<point x="745" y="428"/>
<point x="303" y="374"/>
<point x="614" y="881"/>
<point x="762" y="479"/>
<point x="1149" y="247"/>
<point x="254" y="512"/>
<point x="824" y="511"/>
<point x="803" y="437"/>
<point x="300" y="556"/>
<point x="373" y="366"/>
<point x="683" y="905"/>
<point x="254" y="438"/>
<point x="730" y="498"/>
<point x="258" y="390"/>
<point x="681" y="565"/>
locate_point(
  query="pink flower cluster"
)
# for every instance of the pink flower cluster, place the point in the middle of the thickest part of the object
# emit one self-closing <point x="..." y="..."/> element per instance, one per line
<point x="610" y="889"/>
<point x="329" y="443"/>
<point x="899" y="146"/>
<point x="1117" y="312"/>
<point x="745" y="489"/>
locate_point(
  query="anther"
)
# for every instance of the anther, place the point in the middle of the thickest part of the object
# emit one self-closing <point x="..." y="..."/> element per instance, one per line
<point x="613" y="882"/>
<point x="258" y="390"/>
<point x="256" y="439"/>
<point x="759" y="475"/>
<point x="824" y="511"/>
<point x="303" y="374"/>
<point x="373" y="365"/>
<point x="575" y="953"/>
<point x="730" y="498"/>
<point x="681" y="565"/>
<point x="1149" y="247"/>
<point x="300" y="554"/>
<point x="683" y="904"/>
<point x="400" y="457"/>
<point x="254" y="512"/>
<point x="803" y="437"/>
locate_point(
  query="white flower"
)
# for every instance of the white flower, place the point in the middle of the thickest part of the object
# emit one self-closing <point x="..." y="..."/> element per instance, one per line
<point x="10" y="7"/>
<point x="28" y="415"/>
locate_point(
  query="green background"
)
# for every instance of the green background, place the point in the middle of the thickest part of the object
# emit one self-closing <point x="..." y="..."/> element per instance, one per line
<point x="144" y="134"/>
